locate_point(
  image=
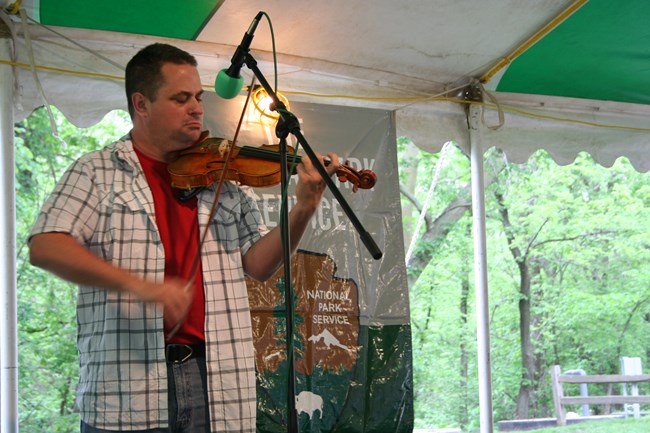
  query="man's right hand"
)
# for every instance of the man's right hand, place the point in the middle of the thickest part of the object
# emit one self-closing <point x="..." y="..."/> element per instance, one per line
<point x="176" y="295"/>
<point x="62" y="255"/>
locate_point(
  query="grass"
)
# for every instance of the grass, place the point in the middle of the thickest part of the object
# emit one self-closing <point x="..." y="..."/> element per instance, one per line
<point x="629" y="425"/>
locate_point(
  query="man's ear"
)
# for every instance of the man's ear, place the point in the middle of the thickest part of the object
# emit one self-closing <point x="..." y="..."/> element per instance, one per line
<point x="140" y="103"/>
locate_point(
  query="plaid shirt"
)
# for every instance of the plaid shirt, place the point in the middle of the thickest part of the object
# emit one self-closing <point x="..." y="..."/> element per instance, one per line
<point x="104" y="202"/>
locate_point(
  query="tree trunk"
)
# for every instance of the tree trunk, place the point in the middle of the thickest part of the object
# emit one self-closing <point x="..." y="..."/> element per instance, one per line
<point x="527" y="384"/>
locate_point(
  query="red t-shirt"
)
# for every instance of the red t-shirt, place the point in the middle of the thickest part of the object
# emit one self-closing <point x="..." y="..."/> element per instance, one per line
<point x="179" y="230"/>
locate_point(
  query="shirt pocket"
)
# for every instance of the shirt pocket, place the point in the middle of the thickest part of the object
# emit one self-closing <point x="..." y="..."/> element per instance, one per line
<point x="127" y="235"/>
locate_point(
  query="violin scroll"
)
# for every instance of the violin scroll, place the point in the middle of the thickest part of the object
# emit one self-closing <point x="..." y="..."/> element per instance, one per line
<point x="364" y="179"/>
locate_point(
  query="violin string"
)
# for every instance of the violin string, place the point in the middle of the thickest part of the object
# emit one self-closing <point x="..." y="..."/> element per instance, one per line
<point x="222" y="178"/>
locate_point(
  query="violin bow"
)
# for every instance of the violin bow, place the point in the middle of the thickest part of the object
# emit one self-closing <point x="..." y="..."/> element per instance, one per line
<point x="222" y="178"/>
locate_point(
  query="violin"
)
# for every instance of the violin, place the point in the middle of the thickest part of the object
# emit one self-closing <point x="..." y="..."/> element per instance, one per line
<point x="203" y="164"/>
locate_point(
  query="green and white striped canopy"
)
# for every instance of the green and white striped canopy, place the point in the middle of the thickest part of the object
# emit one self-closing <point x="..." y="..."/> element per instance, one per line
<point x="600" y="51"/>
<point x="585" y="62"/>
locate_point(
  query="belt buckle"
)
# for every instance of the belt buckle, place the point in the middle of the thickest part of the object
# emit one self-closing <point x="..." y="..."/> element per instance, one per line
<point x="189" y="354"/>
<point x="186" y="357"/>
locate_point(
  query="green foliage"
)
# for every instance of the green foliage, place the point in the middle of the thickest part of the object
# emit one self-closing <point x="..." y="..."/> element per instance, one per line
<point x="581" y="232"/>
<point x="47" y="352"/>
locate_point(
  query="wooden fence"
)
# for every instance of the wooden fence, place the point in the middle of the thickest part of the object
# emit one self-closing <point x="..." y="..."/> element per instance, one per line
<point x="561" y="400"/>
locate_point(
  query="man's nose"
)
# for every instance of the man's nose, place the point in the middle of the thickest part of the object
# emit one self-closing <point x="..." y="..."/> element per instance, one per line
<point x="196" y="107"/>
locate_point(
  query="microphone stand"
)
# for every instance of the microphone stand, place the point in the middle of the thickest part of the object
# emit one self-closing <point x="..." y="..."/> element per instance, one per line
<point x="289" y="124"/>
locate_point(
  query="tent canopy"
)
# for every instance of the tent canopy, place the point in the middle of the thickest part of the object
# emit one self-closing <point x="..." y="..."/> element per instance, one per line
<point x="583" y="63"/>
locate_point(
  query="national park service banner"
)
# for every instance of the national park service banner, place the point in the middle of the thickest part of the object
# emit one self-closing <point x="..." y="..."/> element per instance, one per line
<point x="352" y="338"/>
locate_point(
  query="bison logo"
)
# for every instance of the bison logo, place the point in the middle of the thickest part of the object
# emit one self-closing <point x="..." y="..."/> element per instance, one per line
<point x="309" y="403"/>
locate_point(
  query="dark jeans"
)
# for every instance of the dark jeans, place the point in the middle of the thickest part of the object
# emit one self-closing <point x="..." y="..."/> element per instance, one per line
<point x="188" y="397"/>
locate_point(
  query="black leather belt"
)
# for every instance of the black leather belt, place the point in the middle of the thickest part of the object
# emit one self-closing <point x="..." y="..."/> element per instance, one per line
<point x="178" y="353"/>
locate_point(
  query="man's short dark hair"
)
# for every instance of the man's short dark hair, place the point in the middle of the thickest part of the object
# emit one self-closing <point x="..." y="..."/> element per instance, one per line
<point x="143" y="72"/>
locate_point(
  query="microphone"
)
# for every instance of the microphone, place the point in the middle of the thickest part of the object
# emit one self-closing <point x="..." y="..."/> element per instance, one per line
<point x="229" y="82"/>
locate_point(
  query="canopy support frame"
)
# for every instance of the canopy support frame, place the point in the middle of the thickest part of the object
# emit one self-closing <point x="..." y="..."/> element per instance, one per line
<point x="480" y="270"/>
<point x="8" y="305"/>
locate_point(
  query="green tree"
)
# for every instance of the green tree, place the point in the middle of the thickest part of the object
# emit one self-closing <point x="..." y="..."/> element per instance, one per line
<point x="568" y="279"/>
<point x="571" y="223"/>
<point x="46" y="305"/>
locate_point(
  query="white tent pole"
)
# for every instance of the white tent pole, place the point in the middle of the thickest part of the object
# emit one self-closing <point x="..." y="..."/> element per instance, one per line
<point x="480" y="272"/>
<point x="8" y="329"/>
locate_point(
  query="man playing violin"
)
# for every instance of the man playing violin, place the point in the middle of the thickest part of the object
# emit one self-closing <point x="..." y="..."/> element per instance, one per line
<point x="164" y="341"/>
